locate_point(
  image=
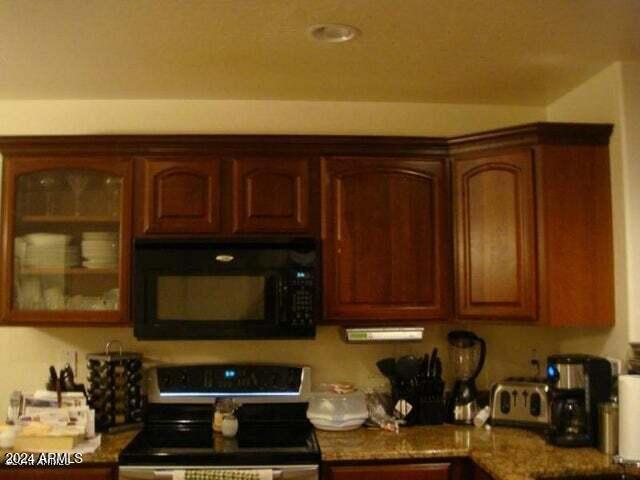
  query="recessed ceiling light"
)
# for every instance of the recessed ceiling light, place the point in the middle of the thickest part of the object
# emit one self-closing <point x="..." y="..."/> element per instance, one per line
<point x="333" y="32"/>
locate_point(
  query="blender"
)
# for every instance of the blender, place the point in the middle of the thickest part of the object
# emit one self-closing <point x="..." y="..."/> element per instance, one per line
<point x="467" y="352"/>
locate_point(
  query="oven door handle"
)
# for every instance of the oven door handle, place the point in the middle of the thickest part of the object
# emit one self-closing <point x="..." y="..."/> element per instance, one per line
<point x="168" y="475"/>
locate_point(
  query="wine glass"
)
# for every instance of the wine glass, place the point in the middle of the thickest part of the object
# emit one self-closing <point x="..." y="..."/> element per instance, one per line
<point x="78" y="183"/>
<point x="47" y="183"/>
<point x="112" y="190"/>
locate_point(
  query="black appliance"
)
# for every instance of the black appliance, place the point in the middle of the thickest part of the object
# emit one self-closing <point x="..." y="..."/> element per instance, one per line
<point x="579" y="383"/>
<point x="274" y="433"/>
<point x="467" y="353"/>
<point x="214" y="288"/>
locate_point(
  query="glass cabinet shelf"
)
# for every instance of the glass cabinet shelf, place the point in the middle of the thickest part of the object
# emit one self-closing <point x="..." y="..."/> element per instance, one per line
<point x="68" y="271"/>
<point x="67" y="219"/>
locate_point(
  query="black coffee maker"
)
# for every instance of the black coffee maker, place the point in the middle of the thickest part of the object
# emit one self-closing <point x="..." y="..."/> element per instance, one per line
<point x="579" y="383"/>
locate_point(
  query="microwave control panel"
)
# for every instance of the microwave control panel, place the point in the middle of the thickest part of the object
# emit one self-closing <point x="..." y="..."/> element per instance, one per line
<point x="302" y="297"/>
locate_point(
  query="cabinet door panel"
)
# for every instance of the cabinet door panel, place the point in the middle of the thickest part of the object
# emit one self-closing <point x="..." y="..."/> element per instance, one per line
<point x="181" y="196"/>
<point x="270" y="195"/>
<point x="385" y="238"/>
<point x="436" y="471"/>
<point x="495" y="236"/>
<point x="83" y="279"/>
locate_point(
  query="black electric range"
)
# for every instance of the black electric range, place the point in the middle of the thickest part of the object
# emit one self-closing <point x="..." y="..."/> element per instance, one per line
<point x="274" y="433"/>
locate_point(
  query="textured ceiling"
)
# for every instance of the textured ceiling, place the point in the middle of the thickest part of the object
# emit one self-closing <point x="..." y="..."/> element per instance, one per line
<point x="453" y="51"/>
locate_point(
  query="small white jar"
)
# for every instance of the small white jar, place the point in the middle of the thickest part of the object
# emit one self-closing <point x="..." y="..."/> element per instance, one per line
<point x="8" y="437"/>
<point x="229" y="426"/>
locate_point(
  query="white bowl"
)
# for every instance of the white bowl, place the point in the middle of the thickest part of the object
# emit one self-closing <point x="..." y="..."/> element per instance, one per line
<point x="337" y="426"/>
<point x="47" y="239"/>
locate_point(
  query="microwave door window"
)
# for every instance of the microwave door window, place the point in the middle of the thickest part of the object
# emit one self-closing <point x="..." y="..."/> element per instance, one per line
<point x="211" y="298"/>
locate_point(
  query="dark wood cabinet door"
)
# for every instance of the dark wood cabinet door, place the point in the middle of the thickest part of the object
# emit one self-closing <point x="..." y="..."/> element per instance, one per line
<point x="434" y="471"/>
<point x="270" y="195"/>
<point x="55" y="473"/>
<point x="480" y="474"/>
<point x="385" y="239"/>
<point x="495" y="236"/>
<point x="77" y="195"/>
<point x="180" y="195"/>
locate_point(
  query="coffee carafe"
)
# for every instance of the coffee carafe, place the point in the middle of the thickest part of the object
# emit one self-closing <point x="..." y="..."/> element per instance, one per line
<point x="578" y="384"/>
<point x="467" y="353"/>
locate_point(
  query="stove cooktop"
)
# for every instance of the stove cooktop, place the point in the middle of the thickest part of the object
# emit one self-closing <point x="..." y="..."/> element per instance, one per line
<point x="180" y="434"/>
<point x="177" y="446"/>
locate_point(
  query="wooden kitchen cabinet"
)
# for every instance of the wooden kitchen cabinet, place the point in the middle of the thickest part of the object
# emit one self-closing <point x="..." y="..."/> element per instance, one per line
<point x="59" y="473"/>
<point x="271" y="195"/>
<point x="480" y="474"/>
<point x="494" y="225"/>
<point x="437" y="469"/>
<point x="79" y="279"/>
<point x="533" y="225"/>
<point x="526" y="234"/>
<point x="385" y="235"/>
<point x="178" y="195"/>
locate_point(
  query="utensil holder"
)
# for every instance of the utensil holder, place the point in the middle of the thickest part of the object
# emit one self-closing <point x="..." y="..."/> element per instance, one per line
<point x="426" y="398"/>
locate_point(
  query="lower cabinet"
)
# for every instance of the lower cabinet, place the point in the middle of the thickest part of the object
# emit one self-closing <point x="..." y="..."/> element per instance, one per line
<point x="458" y="469"/>
<point x="480" y="474"/>
<point x="62" y="473"/>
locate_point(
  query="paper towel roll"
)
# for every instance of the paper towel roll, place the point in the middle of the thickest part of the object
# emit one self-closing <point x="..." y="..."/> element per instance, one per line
<point x="629" y="395"/>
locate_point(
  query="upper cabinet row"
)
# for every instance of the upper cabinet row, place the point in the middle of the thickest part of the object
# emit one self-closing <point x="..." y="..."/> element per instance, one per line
<point x="508" y="225"/>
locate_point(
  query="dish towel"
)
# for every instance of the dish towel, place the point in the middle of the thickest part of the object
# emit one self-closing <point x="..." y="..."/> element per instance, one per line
<point x="223" y="475"/>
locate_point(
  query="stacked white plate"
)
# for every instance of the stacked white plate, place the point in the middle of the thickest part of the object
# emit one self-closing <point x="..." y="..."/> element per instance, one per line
<point x="100" y="249"/>
<point x="46" y="250"/>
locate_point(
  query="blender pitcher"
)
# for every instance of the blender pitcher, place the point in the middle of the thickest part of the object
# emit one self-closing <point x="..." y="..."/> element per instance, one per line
<point x="467" y="353"/>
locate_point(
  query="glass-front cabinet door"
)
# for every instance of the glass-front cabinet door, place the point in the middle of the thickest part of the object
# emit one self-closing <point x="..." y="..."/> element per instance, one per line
<point x="66" y="240"/>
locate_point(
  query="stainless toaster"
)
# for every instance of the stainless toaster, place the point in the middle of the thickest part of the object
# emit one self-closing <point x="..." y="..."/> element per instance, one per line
<point x="520" y="402"/>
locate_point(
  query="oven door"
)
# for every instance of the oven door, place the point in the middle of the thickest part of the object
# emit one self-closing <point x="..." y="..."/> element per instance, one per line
<point x="215" y="289"/>
<point x="286" y="472"/>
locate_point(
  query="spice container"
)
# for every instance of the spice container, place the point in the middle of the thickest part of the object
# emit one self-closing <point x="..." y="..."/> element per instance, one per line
<point x="115" y="388"/>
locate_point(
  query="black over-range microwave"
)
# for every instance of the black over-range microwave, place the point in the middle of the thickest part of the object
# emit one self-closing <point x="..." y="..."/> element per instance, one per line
<point x="212" y="288"/>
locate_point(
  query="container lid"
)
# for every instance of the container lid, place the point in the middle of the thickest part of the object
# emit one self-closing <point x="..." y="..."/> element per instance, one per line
<point x="335" y="407"/>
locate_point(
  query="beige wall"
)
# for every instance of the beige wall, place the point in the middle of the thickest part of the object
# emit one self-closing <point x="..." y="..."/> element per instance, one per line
<point x="613" y="96"/>
<point x="630" y="104"/>
<point x="247" y="116"/>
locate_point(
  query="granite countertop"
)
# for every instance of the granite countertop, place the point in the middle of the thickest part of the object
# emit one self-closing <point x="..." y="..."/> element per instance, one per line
<point x="504" y="453"/>
<point x="110" y="447"/>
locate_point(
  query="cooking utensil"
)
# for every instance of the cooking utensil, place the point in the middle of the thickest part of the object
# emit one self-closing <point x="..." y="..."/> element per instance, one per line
<point x="53" y="379"/>
<point x="432" y="363"/>
<point x="408" y="368"/>
<point x="425" y="366"/>
<point x="387" y="367"/>
<point x="438" y="369"/>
